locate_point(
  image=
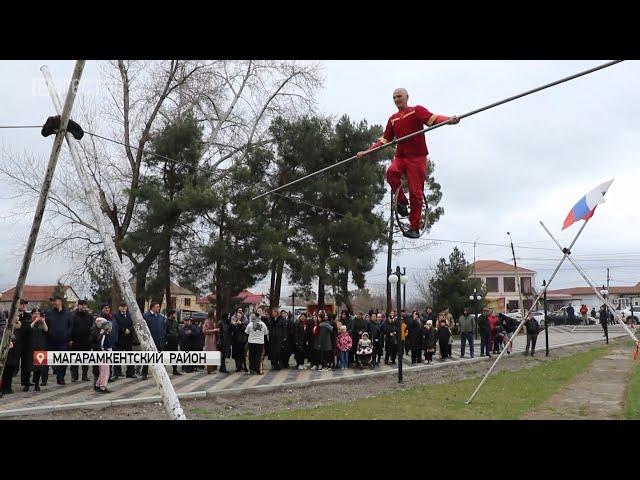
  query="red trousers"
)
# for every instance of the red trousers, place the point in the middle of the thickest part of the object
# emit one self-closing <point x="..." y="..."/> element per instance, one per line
<point x="415" y="169"/>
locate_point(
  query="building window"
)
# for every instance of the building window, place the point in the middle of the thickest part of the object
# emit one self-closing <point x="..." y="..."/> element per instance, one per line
<point x="187" y="302"/>
<point x="509" y="284"/>
<point x="512" y="305"/>
<point x="492" y="284"/>
<point x="173" y="302"/>
<point x="525" y="285"/>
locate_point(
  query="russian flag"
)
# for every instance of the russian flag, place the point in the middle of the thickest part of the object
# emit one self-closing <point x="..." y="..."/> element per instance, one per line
<point x="586" y="206"/>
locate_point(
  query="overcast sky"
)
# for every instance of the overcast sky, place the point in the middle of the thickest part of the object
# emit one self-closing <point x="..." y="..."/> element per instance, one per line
<point x="501" y="170"/>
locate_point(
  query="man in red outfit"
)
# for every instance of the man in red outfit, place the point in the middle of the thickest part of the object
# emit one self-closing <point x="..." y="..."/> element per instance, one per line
<point x="411" y="154"/>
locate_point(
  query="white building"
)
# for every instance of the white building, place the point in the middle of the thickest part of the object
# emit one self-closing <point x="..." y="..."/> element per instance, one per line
<point x="500" y="281"/>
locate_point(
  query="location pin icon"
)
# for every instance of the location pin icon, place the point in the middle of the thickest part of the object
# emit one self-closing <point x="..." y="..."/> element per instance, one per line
<point x="40" y="357"/>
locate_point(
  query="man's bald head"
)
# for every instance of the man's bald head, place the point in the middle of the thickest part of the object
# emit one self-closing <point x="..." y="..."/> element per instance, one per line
<point x="400" y="98"/>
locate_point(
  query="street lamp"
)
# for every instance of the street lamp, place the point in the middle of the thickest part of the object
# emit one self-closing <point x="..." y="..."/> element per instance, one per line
<point x="604" y="292"/>
<point x="475" y="297"/>
<point x="398" y="279"/>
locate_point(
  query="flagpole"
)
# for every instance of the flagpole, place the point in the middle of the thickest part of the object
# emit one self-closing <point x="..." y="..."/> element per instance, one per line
<point x="566" y="252"/>
<point x="515" y="269"/>
<point x="586" y="279"/>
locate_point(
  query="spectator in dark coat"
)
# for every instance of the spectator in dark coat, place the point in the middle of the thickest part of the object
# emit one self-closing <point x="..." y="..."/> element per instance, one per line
<point x="533" y="329"/>
<point x="277" y="338"/>
<point x="13" y="356"/>
<point x="37" y="341"/>
<point x="444" y="334"/>
<point x="23" y="334"/>
<point x="604" y="320"/>
<point x="428" y="315"/>
<point x="414" y="338"/>
<point x="82" y="321"/>
<point x="239" y="344"/>
<point x="429" y="336"/>
<point x="156" y="323"/>
<point x="286" y="348"/>
<point x="188" y="335"/>
<point x="377" y="339"/>
<point x="59" y="324"/>
<point x="326" y="346"/>
<point x="225" y="340"/>
<point x="125" y="337"/>
<point x="391" y="338"/>
<point x="171" y="336"/>
<point x="300" y="340"/>
<point x="484" y="330"/>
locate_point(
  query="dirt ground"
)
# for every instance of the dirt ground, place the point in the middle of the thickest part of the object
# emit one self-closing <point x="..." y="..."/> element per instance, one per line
<point x="224" y="407"/>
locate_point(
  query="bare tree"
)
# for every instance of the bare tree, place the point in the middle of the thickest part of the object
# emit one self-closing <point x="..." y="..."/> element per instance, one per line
<point x="420" y="283"/>
<point x="234" y="100"/>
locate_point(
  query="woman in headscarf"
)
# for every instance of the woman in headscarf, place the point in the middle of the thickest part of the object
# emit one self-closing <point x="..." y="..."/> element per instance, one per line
<point x="429" y="341"/>
<point x="211" y="334"/>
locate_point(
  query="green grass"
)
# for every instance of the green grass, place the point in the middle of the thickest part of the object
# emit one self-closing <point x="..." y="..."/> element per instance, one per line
<point x="632" y="406"/>
<point x="505" y="395"/>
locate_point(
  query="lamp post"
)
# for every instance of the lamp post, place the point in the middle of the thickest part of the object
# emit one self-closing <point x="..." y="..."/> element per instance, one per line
<point x="404" y="288"/>
<point x="475" y="297"/>
<point x="604" y="292"/>
<point x="546" y="325"/>
<point x="398" y="279"/>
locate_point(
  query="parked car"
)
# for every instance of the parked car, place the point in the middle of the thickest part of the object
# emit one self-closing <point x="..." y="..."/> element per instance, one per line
<point x="296" y="313"/>
<point x="537" y="314"/>
<point x="194" y="316"/>
<point x="560" y="317"/>
<point x="628" y="315"/>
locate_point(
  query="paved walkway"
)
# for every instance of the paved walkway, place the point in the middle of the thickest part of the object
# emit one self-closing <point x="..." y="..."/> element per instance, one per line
<point x="599" y="393"/>
<point x="195" y="385"/>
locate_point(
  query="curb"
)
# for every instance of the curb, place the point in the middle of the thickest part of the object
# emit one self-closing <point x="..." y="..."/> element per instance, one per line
<point x="102" y="404"/>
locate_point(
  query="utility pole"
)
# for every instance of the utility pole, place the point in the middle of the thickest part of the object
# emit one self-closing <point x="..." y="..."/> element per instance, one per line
<point x="546" y="325"/>
<point x="606" y="297"/>
<point x="404" y="290"/>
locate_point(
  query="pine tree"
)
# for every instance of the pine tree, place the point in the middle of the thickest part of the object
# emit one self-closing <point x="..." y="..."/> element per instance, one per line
<point x="451" y="285"/>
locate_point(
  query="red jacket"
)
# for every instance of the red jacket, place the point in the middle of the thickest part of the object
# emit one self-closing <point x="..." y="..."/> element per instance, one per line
<point x="404" y="122"/>
<point x="344" y="342"/>
<point x="493" y="321"/>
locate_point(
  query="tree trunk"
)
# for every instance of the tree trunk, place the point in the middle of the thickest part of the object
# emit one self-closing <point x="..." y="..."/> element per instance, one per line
<point x="226" y="303"/>
<point x="166" y="275"/>
<point x="272" y="285"/>
<point x="141" y="284"/>
<point x="219" y="270"/>
<point x="320" y="293"/>
<point x="218" y="290"/>
<point x="158" y="294"/>
<point x="116" y="296"/>
<point x="347" y="297"/>
<point x="278" y="289"/>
